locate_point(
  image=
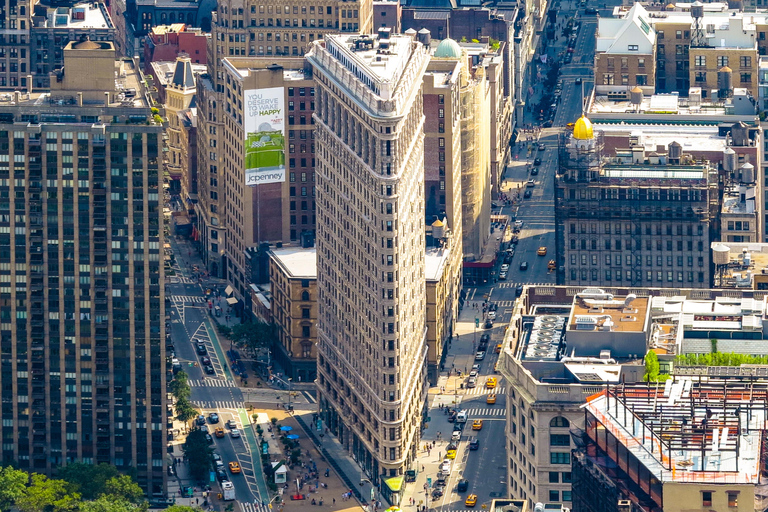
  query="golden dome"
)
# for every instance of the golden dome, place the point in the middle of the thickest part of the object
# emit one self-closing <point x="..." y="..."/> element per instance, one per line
<point x="438" y="224"/>
<point x="582" y="130"/>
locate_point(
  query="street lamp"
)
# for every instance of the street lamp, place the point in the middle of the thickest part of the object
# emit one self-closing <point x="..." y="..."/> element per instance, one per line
<point x="290" y="392"/>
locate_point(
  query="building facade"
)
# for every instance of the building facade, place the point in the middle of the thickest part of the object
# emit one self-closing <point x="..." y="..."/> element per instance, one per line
<point x="81" y="233"/>
<point x="647" y="221"/>
<point x="293" y="276"/>
<point x="370" y="246"/>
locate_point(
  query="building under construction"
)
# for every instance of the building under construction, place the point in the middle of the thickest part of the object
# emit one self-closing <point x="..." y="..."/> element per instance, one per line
<point x="644" y="220"/>
<point x="694" y="442"/>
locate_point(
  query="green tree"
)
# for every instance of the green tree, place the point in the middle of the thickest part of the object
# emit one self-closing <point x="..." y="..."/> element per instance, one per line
<point x="180" y="386"/>
<point x="13" y="485"/>
<point x="198" y="454"/>
<point x="48" y="495"/>
<point x="651" y="367"/>
<point x="185" y="411"/>
<point x="122" y="487"/>
<point x="182" y="508"/>
<point x="109" y="504"/>
<point x="253" y="335"/>
<point x="88" y="479"/>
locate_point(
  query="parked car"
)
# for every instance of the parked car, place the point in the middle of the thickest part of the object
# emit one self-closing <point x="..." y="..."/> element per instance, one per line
<point x="524" y="265"/>
<point x="205" y="360"/>
<point x="231" y="424"/>
<point x="480" y="356"/>
<point x="474" y="444"/>
<point x="209" y="370"/>
<point x="201" y="350"/>
<point x="234" y="433"/>
<point x="221" y="475"/>
<point x="201" y="420"/>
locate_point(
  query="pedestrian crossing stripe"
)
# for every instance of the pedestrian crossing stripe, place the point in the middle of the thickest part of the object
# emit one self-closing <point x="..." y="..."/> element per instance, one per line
<point x="503" y="303"/>
<point x="219" y="404"/>
<point x="213" y="383"/>
<point x="484" y="391"/>
<point x="253" y="507"/>
<point x="490" y="411"/>
<point x="188" y="298"/>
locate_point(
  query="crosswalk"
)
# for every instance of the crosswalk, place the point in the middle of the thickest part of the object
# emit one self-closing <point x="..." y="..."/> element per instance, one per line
<point x="218" y="404"/>
<point x="188" y="298"/>
<point x="484" y="412"/>
<point x="508" y="284"/>
<point x="503" y="303"/>
<point x="182" y="279"/>
<point x="213" y="383"/>
<point x="482" y="390"/>
<point x="253" y="507"/>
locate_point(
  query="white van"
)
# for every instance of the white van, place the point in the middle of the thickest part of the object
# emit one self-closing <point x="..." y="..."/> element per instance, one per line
<point x="461" y="417"/>
<point x="472" y="382"/>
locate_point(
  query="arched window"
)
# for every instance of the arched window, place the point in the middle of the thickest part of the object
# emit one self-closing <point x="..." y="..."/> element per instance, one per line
<point x="559" y="421"/>
<point x="305" y="295"/>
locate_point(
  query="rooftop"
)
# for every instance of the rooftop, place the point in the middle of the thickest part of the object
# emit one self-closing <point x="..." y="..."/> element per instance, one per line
<point x="688" y="430"/>
<point x="297" y="262"/>
<point x="164" y="70"/>
<point x="79" y="16"/>
<point x="596" y="310"/>
<point x="294" y="68"/>
<point x="698" y="110"/>
<point x="733" y="204"/>
<point x="377" y="62"/>
<point x="692" y="138"/>
<point x="434" y="262"/>
<point x="745" y="261"/>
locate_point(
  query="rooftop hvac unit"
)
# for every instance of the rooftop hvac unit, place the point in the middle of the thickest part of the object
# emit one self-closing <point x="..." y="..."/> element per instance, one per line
<point x="624" y="506"/>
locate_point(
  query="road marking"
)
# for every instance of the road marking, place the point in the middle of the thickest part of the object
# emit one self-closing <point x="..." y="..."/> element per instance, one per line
<point x="309" y="397"/>
<point x="213" y="383"/>
<point x="188" y="298"/>
<point x="218" y="404"/>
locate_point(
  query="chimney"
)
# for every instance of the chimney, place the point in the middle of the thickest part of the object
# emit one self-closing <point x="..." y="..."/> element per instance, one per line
<point x="29" y="84"/>
<point x="106" y="98"/>
<point x="80" y="99"/>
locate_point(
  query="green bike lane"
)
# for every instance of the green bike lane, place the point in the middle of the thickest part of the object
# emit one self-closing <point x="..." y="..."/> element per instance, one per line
<point x="245" y="419"/>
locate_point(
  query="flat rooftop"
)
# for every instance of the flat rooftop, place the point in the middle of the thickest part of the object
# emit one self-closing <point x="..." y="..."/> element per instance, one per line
<point x="79" y="16"/>
<point x="129" y="92"/>
<point x="434" y="262"/>
<point x="620" y="314"/>
<point x="693" y="138"/>
<point x="293" y="67"/>
<point x="297" y="262"/>
<point x="373" y="60"/>
<point x="689" y="430"/>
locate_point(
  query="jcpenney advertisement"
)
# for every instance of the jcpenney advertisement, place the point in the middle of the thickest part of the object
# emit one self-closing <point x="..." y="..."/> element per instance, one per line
<point x="264" y="136"/>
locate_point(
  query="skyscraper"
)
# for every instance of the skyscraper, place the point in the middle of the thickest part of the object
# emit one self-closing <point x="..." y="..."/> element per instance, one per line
<point x="371" y="245"/>
<point x="82" y="352"/>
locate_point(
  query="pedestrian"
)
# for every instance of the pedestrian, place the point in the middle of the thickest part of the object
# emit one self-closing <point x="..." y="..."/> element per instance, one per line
<point x="334" y="501"/>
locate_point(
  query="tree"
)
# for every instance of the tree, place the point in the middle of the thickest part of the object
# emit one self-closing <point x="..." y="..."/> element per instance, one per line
<point x="13" y="485"/>
<point x="180" y="386"/>
<point x="198" y="454"/>
<point x="253" y="335"/>
<point x="48" y="495"/>
<point x="122" y="487"/>
<point x="185" y="411"/>
<point x="108" y="504"/>
<point x="651" y="367"/>
<point x="182" y="508"/>
<point x="89" y="480"/>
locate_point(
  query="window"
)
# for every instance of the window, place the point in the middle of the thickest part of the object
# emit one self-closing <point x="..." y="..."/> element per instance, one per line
<point x="559" y="458"/>
<point x="559" y="440"/>
<point x="733" y="499"/>
<point x="632" y="47"/>
<point x="746" y="78"/>
<point x="567" y="496"/>
<point x="706" y="498"/>
<point x="554" y="495"/>
<point x="722" y="60"/>
<point x="745" y="61"/>
<point x="559" y="421"/>
<point x="554" y="477"/>
<point x="700" y="60"/>
<point x="607" y="78"/>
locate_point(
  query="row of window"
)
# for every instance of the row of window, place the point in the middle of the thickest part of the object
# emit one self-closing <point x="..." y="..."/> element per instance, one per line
<point x="649" y="245"/>
<point x="722" y="60"/>
<point x="648" y="228"/>
<point x="638" y="260"/>
<point x="650" y="276"/>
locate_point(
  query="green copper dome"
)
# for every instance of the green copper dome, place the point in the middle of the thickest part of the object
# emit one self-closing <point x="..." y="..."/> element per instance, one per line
<point x="448" y="49"/>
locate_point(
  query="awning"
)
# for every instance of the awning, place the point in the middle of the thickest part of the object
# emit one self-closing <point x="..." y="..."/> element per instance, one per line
<point x="228" y="290"/>
<point x="231" y="301"/>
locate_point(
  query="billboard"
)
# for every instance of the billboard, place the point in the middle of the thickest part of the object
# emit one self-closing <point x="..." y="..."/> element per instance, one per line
<point x="264" y="125"/>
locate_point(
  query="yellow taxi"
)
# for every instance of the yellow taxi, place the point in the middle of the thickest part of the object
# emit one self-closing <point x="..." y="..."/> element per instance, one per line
<point x="498" y="348"/>
<point x="496" y="367"/>
<point x="477" y="425"/>
<point x="234" y="467"/>
<point x="490" y="399"/>
<point x="490" y="383"/>
<point x="450" y="452"/>
<point x="542" y="251"/>
<point x="219" y="432"/>
<point x="471" y="500"/>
